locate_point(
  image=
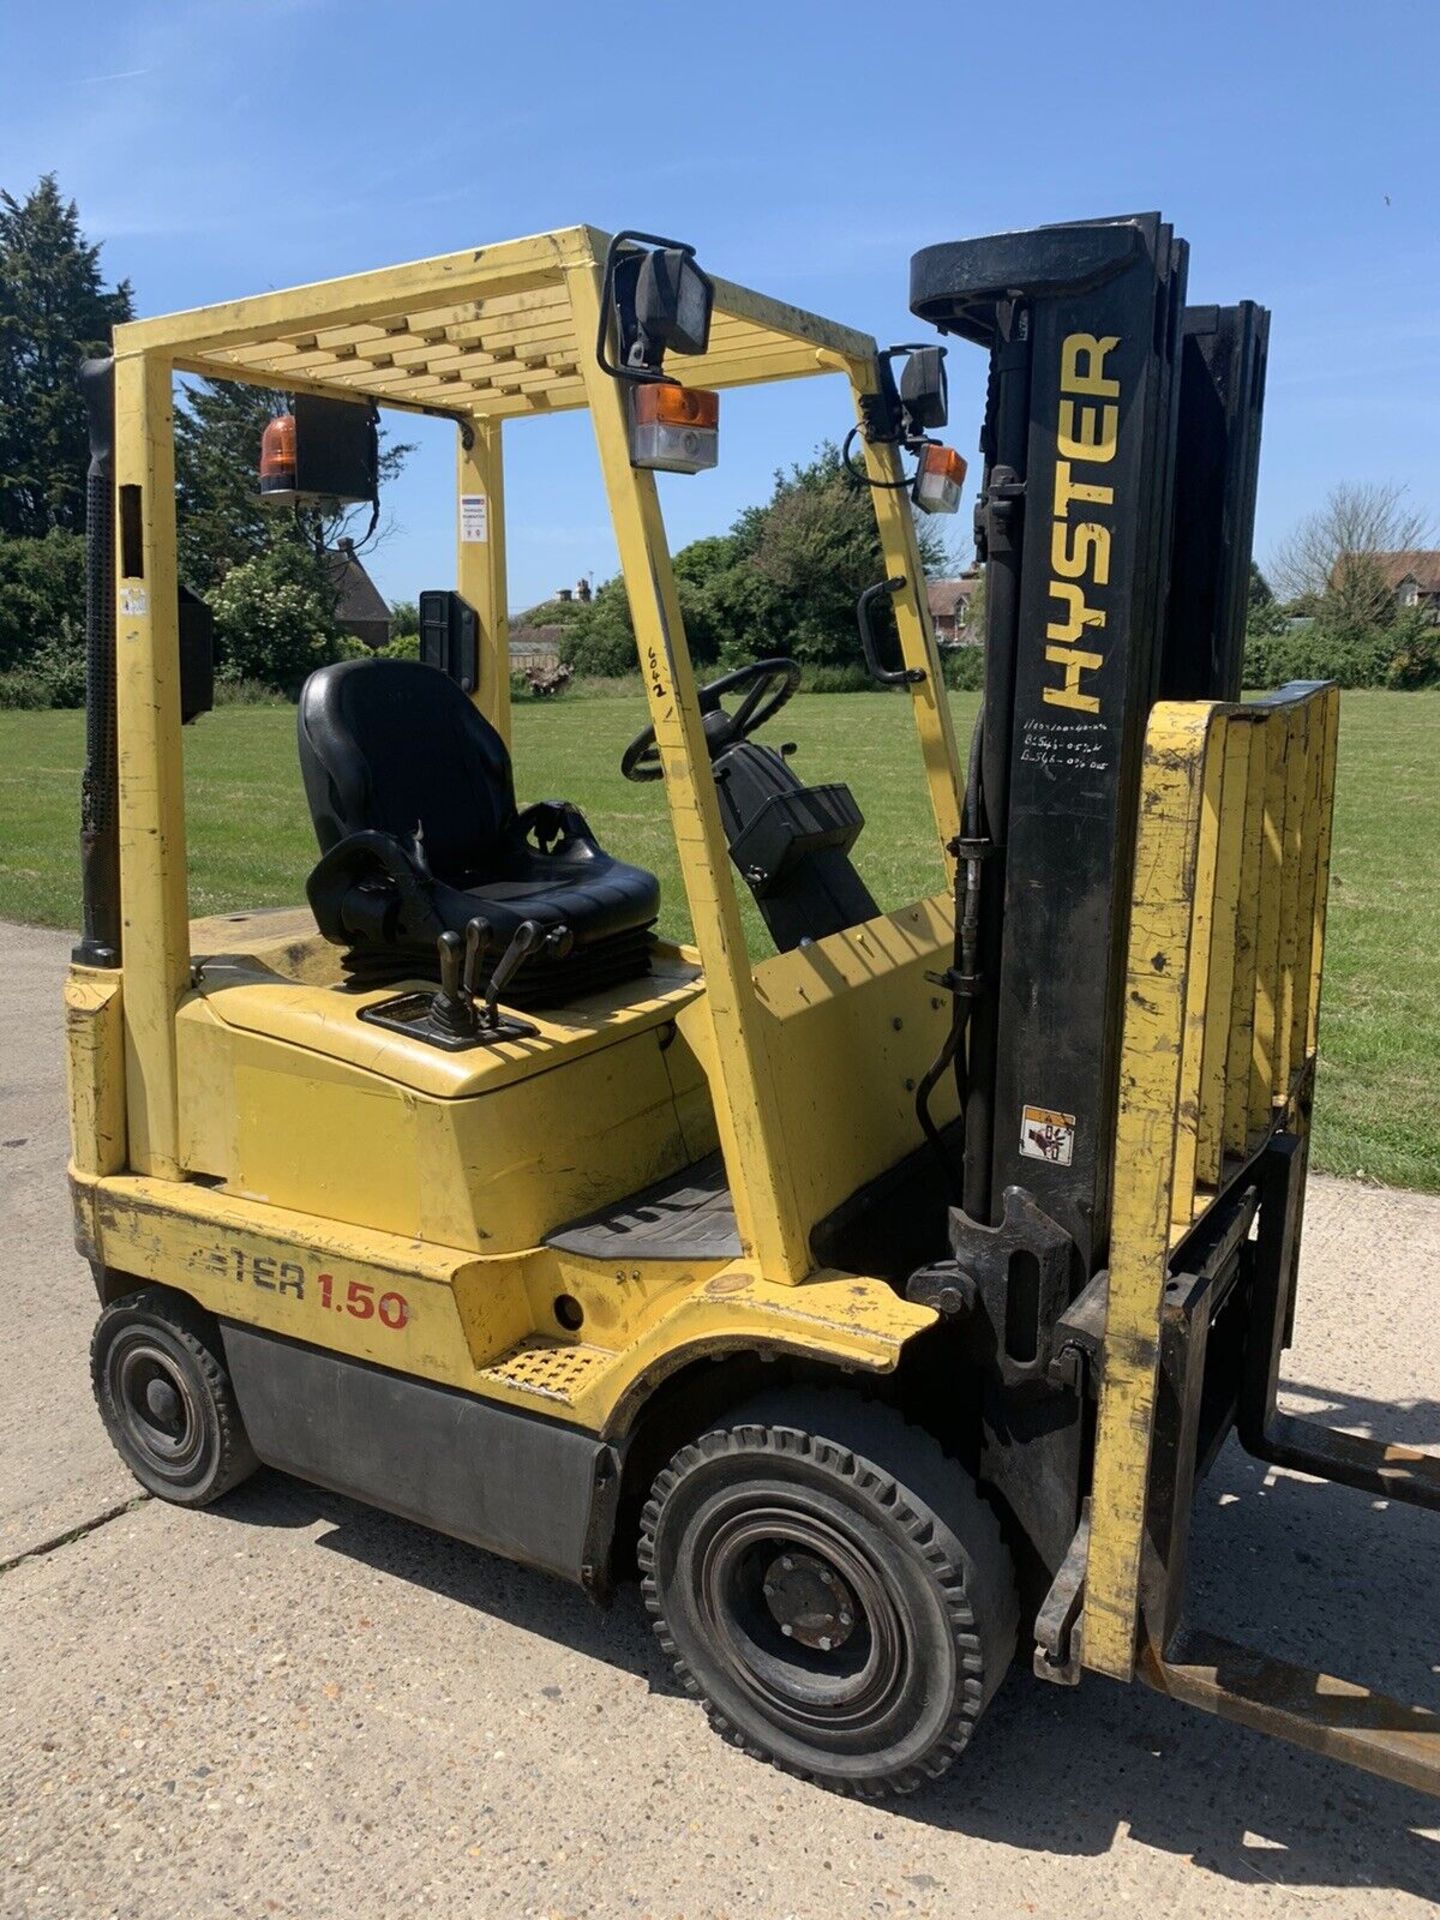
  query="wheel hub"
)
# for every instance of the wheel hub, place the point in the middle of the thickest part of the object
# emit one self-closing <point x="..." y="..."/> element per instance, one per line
<point x="162" y="1402"/>
<point x="809" y="1601"/>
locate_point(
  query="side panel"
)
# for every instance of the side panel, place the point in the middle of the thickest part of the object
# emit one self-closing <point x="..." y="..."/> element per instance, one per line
<point x="95" y="1069"/>
<point x="492" y="1327"/>
<point x="488" y="1174"/>
<point x="447" y="1460"/>
<point x="850" y="1024"/>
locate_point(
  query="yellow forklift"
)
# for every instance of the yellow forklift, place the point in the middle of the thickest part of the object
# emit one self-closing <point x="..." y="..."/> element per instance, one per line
<point x="881" y="1298"/>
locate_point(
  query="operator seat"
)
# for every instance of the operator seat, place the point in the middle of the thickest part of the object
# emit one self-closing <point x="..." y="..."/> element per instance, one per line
<point x="413" y="802"/>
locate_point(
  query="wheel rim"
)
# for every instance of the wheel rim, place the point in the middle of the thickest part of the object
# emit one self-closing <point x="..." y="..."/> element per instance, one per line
<point x="157" y="1407"/>
<point x="833" y="1591"/>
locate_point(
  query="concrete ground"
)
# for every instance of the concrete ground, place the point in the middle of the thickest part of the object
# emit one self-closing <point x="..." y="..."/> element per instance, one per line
<point x="295" y="1706"/>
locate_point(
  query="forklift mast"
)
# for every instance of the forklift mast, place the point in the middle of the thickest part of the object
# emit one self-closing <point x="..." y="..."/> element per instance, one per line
<point x="1120" y="442"/>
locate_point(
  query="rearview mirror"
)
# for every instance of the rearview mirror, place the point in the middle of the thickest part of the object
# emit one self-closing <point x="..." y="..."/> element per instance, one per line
<point x="654" y="300"/>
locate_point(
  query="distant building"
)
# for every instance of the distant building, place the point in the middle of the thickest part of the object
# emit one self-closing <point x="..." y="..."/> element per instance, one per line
<point x="535" y="635"/>
<point x="537" y="646"/>
<point x="950" y="608"/>
<point x="359" y="608"/>
<point x="1414" y="579"/>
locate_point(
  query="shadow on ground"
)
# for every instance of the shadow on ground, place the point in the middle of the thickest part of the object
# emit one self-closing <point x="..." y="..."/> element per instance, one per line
<point x="1309" y="1571"/>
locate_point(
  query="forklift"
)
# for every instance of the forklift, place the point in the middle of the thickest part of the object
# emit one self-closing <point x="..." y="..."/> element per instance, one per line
<point x="882" y="1299"/>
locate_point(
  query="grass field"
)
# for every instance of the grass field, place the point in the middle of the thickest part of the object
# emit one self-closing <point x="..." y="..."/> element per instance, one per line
<point x="250" y="844"/>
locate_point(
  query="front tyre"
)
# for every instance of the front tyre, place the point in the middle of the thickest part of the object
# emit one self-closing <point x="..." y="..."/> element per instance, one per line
<point x="164" y="1393"/>
<point x="833" y="1587"/>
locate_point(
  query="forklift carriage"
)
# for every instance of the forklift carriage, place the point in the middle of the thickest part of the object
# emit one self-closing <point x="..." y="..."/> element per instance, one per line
<point x="885" y="1298"/>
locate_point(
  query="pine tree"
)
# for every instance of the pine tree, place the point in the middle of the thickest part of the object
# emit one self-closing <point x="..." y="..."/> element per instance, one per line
<point x="54" y="311"/>
<point x="222" y="522"/>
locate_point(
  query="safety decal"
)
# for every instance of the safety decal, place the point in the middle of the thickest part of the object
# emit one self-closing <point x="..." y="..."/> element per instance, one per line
<point x="1046" y="1135"/>
<point x="474" y="519"/>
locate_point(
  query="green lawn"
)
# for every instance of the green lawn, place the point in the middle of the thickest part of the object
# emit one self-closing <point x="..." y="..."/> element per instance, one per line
<point x="250" y="844"/>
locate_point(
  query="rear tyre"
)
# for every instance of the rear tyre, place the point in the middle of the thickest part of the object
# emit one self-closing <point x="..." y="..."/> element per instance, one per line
<point x="833" y="1588"/>
<point x="161" y="1384"/>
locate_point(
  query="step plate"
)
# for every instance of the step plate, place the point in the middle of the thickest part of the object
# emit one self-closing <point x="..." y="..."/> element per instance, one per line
<point x="689" y="1216"/>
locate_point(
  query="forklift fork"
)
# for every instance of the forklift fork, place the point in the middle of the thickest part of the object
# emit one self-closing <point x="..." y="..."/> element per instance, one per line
<point x="1379" y="1467"/>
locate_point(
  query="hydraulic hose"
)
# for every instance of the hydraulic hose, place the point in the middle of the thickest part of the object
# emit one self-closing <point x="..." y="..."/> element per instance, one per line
<point x="962" y="977"/>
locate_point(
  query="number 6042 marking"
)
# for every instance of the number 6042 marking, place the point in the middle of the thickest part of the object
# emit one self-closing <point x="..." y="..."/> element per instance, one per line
<point x="391" y="1309"/>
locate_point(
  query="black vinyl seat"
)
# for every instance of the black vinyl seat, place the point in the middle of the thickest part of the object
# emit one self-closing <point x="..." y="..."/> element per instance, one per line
<point x="413" y="802"/>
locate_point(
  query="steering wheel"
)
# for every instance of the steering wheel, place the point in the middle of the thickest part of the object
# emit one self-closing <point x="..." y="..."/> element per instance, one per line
<point x="771" y="683"/>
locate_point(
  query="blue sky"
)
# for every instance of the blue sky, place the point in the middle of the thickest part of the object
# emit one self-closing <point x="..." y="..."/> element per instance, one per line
<point x="219" y="147"/>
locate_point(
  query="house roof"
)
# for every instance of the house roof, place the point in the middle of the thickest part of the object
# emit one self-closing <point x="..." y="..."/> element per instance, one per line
<point x="947" y="597"/>
<point x="1420" y="564"/>
<point x="357" y="596"/>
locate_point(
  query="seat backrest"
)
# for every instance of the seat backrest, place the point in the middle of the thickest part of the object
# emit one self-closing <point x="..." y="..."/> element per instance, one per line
<point x="393" y="745"/>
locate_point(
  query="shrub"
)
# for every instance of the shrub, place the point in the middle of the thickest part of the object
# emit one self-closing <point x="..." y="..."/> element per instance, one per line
<point x="850" y="679"/>
<point x="23" y="689"/>
<point x="275" y="619"/>
<point x="42" y="593"/>
<point x="401" y="646"/>
<point x="1322" y="649"/>
<point x="964" y="669"/>
<point x="51" y="675"/>
<point x="1415" y="652"/>
<point x="248" y="693"/>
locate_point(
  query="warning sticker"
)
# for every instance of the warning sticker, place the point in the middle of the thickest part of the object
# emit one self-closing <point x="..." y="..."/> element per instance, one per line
<point x="1045" y="1135"/>
<point x="474" y="518"/>
<point x="134" y="602"/>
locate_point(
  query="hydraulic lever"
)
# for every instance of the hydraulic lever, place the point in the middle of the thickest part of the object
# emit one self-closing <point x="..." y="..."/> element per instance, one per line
<point x="529" y="938"/>
<point x="455" y="1016"/>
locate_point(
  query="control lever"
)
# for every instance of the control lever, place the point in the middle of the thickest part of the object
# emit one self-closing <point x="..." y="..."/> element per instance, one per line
<point x="452" y="1009"/>
<point x="529" y="938"/>
<point x="477" y="940"/>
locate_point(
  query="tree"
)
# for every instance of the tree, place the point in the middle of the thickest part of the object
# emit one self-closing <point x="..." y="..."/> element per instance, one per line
<point x="1332" y="560"/>
<point x="54" y="311"/>
<point x="783" y="580"/>
<point x="42" y="594"/>
<point x="222" y="520"/>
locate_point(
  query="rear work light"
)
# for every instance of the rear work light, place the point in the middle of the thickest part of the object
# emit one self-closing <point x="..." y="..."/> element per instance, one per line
<point x="672" y="428"/>
<point x="938" y="480"/>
